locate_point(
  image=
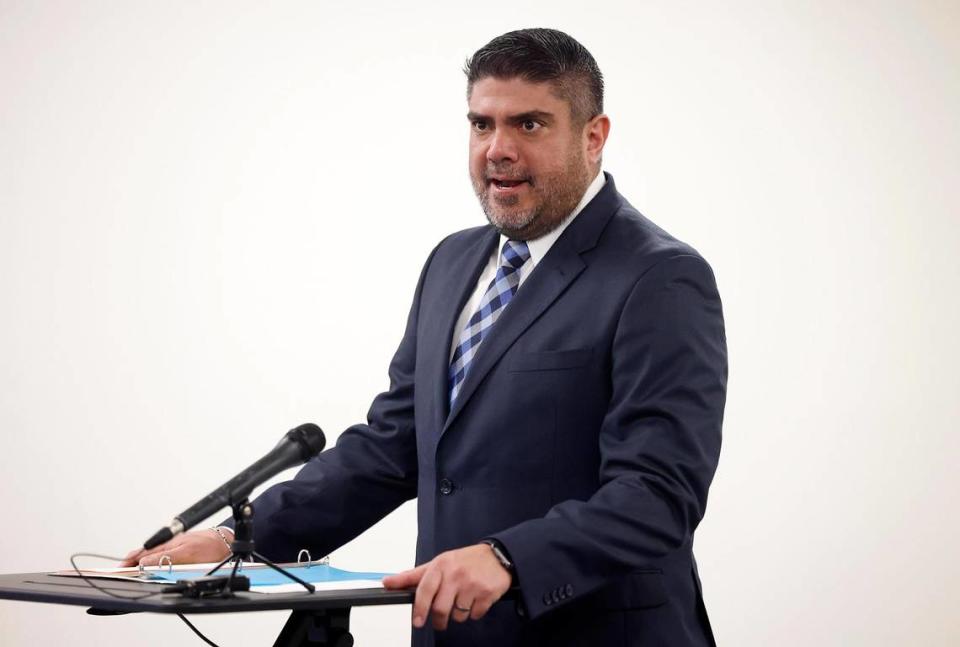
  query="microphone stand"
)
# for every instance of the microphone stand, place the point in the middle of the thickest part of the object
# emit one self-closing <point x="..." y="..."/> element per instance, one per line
<point x="324" y="627"/>
<point x="243" y="548"/>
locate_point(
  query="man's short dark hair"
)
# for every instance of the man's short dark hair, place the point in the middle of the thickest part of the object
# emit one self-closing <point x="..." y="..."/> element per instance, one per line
<point x="540" y="55"/>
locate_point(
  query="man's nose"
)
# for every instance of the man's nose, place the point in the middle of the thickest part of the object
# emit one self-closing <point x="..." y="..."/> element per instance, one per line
<point x="502" y="147"/>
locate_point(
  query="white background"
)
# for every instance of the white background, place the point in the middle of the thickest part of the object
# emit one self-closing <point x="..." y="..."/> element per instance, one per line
<point x="213" y="215"/>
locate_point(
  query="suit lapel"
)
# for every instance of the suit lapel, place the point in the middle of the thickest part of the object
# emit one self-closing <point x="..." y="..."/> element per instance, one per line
<point x="545" y="284"/>
<point x="456" y="289"/>
<point x="558" y="269"/>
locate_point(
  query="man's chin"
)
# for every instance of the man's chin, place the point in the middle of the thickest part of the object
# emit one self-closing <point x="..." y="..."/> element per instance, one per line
<point x="511" y="225"/>
<point x="507" y="215"/>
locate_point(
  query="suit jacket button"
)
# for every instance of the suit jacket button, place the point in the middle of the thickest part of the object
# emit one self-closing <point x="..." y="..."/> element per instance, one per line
<point x="568" y="590"/>
<point x="547" y="600"/>
<point x="446" y="487"/>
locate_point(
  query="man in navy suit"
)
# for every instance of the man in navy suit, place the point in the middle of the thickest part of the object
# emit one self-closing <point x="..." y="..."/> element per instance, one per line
<point x="555" y="403"/>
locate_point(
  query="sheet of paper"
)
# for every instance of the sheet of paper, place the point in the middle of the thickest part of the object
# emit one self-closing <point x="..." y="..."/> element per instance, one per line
<point x="263" y="579"/>
<point x="153" y="574"/>
<point x="293" y="587"/>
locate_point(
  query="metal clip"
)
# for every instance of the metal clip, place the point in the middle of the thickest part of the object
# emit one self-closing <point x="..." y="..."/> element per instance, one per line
<point x="300" y="555"/>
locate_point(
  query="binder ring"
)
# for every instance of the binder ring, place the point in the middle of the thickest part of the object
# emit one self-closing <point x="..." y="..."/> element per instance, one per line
<point x="169" y="563"/>
<point x="300" y="555"/>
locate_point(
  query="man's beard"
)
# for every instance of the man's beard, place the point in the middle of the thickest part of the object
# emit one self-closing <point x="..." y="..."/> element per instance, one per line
<point x="555" y="196"/>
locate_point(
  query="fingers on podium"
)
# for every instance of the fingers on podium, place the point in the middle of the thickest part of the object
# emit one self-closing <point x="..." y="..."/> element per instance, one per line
<point x="404" y="580"/>
<point x="426" y="592"/>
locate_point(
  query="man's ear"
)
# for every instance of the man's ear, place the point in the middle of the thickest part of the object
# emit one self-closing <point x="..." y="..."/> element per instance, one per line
<point x="595" y="134"/>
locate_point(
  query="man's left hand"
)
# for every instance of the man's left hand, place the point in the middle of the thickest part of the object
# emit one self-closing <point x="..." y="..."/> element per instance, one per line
<point x="457" y="584"/>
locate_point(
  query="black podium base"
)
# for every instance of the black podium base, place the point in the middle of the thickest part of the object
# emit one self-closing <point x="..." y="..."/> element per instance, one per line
<point x="321" y="628"/>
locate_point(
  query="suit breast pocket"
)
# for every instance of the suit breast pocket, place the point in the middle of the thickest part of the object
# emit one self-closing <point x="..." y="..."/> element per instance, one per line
<point x="550" y="360"/>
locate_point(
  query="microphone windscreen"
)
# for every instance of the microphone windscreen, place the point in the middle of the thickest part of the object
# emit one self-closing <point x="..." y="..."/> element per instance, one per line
<point x="310" y="438"/>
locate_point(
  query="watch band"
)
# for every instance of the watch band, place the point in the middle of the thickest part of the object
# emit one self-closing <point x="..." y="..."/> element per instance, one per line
<point x="499" y="553"/>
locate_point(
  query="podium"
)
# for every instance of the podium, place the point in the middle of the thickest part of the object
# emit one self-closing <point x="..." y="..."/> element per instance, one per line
<point x="319" y="619"/>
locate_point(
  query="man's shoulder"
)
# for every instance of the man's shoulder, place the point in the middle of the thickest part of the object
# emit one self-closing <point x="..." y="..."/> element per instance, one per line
<point x="636" y="244"/>
<point x="617" y="232"/>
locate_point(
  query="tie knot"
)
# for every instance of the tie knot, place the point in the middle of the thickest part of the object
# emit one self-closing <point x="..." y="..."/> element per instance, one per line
<point x="514" y="253"/>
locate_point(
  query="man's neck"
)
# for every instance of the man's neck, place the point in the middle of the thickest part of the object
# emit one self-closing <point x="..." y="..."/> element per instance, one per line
<point x="541" y="245"/>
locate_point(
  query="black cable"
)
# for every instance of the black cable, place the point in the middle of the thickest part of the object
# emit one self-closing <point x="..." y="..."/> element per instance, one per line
<point x="196" y="631"/>
<point x="89" y="582"/>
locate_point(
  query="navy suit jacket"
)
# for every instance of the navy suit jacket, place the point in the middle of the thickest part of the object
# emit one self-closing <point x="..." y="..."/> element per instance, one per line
<point x="584" y="438"/>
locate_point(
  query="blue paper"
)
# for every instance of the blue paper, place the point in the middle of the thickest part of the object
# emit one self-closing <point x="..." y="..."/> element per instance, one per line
<point x="264" y="576"/>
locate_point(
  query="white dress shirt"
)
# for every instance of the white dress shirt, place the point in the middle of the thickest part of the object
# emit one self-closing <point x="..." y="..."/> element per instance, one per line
<point x="538" y="249"/>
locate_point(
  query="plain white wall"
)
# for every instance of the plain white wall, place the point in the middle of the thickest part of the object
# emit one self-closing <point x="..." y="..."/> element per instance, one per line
<point x="212" y="217"/>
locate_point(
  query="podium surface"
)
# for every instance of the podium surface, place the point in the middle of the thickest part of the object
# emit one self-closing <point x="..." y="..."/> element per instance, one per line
<point x="319" y="618"/>
<point x="55" y="589"/>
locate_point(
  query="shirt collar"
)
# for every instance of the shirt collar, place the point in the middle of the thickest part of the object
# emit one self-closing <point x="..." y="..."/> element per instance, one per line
<point x="540" y="246"/>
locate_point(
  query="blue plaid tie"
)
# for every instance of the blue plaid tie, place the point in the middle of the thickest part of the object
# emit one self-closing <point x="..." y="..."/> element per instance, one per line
<point x="504" y="285"/>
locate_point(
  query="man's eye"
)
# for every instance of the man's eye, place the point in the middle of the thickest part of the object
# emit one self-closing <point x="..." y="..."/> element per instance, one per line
<point x="530" y="125"/>
<point x="480" y="125"/>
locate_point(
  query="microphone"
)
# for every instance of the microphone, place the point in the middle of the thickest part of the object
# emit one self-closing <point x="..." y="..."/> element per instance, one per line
<point x="296" y="447"/>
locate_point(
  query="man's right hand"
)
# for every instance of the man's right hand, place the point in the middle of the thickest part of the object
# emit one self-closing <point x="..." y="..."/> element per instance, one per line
<point x="195" y="547"/>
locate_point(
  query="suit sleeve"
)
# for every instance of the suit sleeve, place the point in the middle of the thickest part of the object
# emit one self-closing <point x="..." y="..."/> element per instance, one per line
<point x="659" y="443"/>
<point x="346" y="489"/>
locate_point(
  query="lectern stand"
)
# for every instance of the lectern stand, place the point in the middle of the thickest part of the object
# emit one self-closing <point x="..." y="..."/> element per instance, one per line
<point x="319" y="619"/>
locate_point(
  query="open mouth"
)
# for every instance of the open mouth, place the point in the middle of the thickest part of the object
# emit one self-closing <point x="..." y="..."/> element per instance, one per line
<point x="507" y="185"/>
